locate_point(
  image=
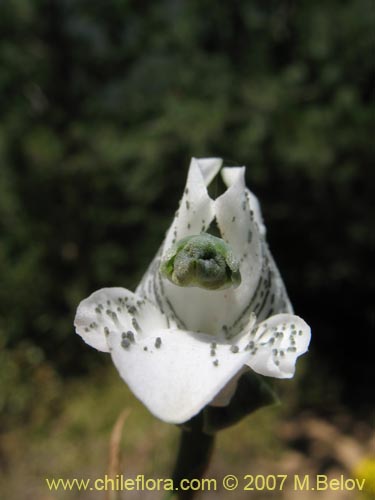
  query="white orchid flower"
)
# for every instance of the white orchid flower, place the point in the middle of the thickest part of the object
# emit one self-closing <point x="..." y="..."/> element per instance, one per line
<point x="180" y="348"/>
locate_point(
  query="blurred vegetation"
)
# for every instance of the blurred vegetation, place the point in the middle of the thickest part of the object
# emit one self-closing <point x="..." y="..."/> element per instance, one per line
<point x="103" y="104"/>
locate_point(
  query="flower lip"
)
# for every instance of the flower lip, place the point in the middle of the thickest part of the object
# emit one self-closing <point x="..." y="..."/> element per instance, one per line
<point x="203" y="261"/>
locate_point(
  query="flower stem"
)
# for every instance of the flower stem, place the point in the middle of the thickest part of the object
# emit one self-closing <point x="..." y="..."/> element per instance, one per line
<point x="194" y="454"/>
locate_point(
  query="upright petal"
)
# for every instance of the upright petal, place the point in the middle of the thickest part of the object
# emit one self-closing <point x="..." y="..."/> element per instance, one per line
<point x="194" y="216"/>
<point x="239" y="229"/>
<point x="269" y="296"/>
<point x="276" y="344"/>
<point x="230" y="175"/>
<point x="196" y="209"/>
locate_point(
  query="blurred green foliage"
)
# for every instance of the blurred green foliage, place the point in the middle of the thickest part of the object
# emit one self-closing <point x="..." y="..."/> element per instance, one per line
<point x="103" y="104"/>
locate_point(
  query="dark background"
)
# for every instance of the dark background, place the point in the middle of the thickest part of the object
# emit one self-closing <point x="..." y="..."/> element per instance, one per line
<point x="103" y="104"/>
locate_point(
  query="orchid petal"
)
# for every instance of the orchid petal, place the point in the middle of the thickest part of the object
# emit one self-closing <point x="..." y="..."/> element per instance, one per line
<point x="269" y="296"/>
<point x="175" y="373"/>
<point x="196" y="209"/>
<point x="276" y="345"/>
<point x="229" y="175"/>
<point x="239" y="230"/>
<point x="115" y="309"/>
<point x="194" y="216"/>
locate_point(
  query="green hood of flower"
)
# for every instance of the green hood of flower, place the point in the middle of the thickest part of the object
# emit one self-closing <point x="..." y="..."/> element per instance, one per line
<point x="203" y="261"/>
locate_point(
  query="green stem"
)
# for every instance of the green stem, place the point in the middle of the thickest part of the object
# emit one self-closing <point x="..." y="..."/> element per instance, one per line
<point x="194" y="454"/>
